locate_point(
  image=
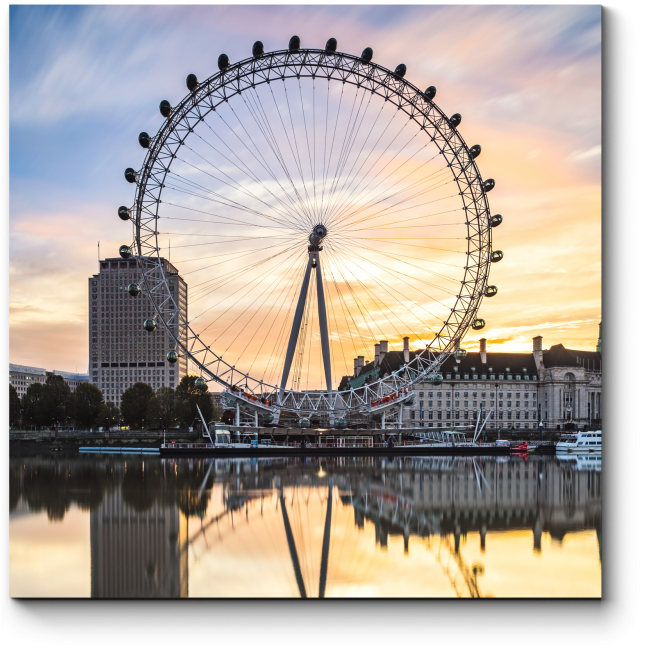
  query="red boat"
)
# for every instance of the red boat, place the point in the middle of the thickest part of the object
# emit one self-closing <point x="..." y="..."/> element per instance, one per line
<point x="520" y="448"/>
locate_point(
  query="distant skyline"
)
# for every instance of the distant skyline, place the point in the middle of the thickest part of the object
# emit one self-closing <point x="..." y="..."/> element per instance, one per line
<point x="84" y="81"/>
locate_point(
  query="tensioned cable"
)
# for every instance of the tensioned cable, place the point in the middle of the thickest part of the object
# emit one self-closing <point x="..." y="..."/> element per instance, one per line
<point x="388" y="288"/>
<point x="252" y="175"/>
<point x="268" y="169"/>
<point x="335" y="260"/>
<point x="293" y="130"/>
<point x="264" y="322"/>
<point x="227" y="310"/>
<point x="240" y="288"/>
<point x="376" y="200"/>
<point x="237" y="185"/>
<point x="193" y="185"/>
<point x="329" y="160"/>
<point x="333" y="219"/>
<point x="352" y="338"/>
<point x="400" y="277"/>
<point x="234" y="272"/>
<point x="414" y="196"/>
<point x="304" y="121"/>
<point x="370" y="131"/>
<point x="338" y="169"/>
<point x="347" y="147"/>
<point x="374" y="297"/>
<point x="260" y="117"/>
<point x="234" y="275"/>
<point x="266" y="293"/>
<point x="286" y="135"/>
<point x="248" y="173"/>
<point x="357" y="212"/>
<point x="435" y="286"/>
<point x="281" y="337"/>
<point x="209" y="198"/>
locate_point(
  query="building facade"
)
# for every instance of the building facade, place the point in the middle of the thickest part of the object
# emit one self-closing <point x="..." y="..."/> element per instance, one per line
<point x="121" y="352"/>
<point x="559" y="387"/>
<point x="21" y="377"/>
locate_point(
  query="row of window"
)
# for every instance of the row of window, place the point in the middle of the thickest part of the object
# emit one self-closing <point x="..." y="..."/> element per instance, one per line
<point x="465" y="415"/>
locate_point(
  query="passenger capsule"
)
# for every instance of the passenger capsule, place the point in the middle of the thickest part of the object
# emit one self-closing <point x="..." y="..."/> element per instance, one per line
<point x="294" y="44"/>
<point x="223" y="62"/>
<point x="366" y="55"/>
<point x="437" y="379"/>
<point x="144" y="140"/>
<point x="488" y="185"/>
<point x="172" y="356"/>
<point x="124" y="212"/>
<point x="304" y="423"/>
<point x="460" y="354"/>
<point x="400" y="70"/>
<point x="478" y="324"/>
<point x="258" y="49"/>
<point x="134" y="289"/>
<point x="165" y="108"/>
<point x="496" y="256"/>
<point x="475" y="151"/>
<point x="490" y="291"/>
<point x="455" y="119"/>
<point x="496" y="220"/>
<point x="191" y="82"/>
<point x="267" y="418"/>
<point x="430" y="93"/>
<point x="130" y="175"/>
<point x="340" y="423"/>
<point x="200" y="383"/>
<point x="125" y="252"/>
<point x="150" y="325"/>
<point x="331" y="45"/>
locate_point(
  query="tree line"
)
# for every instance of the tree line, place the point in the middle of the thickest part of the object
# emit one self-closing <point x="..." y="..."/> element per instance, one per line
<point x="53" y="404"/>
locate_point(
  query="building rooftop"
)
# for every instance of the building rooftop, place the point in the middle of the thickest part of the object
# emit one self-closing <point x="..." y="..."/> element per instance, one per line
<point x="71" y="375"/>
<point x="13" y="367"/>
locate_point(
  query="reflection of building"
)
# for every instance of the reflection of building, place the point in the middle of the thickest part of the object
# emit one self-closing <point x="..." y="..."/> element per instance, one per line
<point x="545" y="496"/>
<point x="559" y="386"/>
<point x="121" y="352"/>
<point x="137" y="554"/>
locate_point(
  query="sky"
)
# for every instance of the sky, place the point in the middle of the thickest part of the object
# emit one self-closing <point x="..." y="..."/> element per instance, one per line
<point x="84" y="81"/>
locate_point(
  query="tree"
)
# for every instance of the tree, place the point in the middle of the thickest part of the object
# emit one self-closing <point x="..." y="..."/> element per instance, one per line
<point x="54" y="402"/>
<point x="135" y="401"/>
<point x="14" y="407"/>
<point x="162" y="407"/>
<point x="85" y="404"/>
<point x="188" y="396"/>
<point x="29" y="403"/>
<point x="108" y="416"/>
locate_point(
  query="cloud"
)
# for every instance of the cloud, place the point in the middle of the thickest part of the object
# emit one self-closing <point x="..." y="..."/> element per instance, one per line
<point x="84" y="81"/>
<point x="590" y="153"/>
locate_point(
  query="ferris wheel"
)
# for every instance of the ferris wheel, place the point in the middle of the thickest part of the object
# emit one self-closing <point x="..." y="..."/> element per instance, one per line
<point x="315" y="203"/>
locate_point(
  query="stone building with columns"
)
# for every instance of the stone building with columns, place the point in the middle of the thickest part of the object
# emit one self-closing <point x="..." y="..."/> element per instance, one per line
<point x="559" y="387"/>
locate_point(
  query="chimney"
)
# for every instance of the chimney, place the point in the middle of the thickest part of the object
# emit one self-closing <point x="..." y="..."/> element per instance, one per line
<point x="483" y="343"/>
<point x="407" y="356"/>
<point x="376" y="354"/>
<point x="355" y="372"/>
<point x="383" y="349"/>
<point x="538" y="355"/>
<point x="360" y="365"/>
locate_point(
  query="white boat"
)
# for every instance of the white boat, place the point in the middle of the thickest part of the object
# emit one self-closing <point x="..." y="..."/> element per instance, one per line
<point x="583" y="441"/>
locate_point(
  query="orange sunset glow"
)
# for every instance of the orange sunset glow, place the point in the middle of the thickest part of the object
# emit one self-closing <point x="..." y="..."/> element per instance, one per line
<point x="234" y="217"/>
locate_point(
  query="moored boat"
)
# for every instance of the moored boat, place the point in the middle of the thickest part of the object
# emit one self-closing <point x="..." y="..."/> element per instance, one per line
<point x="584" y="441"/>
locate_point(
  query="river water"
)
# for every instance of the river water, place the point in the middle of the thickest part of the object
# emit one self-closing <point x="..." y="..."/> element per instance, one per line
<point x="146" y="527"/>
